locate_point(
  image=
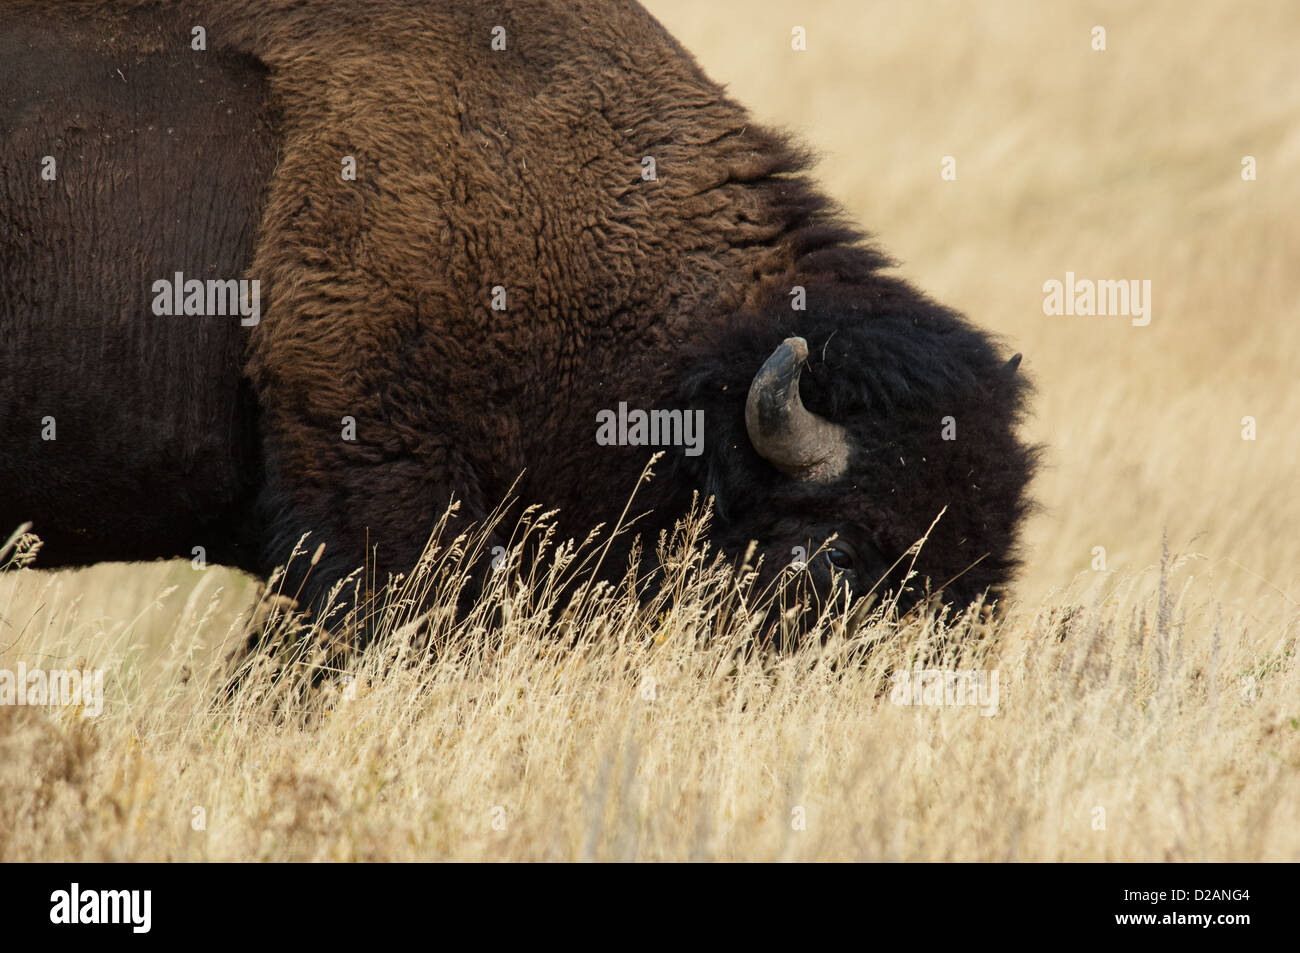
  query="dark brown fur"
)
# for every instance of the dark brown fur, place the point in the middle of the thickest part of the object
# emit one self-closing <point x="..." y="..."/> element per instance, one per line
<point x="476" y="168"/>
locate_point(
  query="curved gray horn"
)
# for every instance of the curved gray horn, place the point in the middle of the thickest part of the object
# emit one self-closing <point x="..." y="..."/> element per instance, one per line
<point x="787" y="435"/>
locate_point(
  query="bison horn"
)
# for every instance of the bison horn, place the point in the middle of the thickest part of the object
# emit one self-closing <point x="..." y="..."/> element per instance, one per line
<point x="787" y="435"/>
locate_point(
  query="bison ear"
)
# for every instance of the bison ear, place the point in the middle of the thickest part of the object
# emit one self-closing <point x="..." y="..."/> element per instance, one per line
<point x="1013" y="364"/>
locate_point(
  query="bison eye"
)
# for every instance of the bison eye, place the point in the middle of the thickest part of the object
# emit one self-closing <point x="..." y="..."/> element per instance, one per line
<point x="840" y="558"/>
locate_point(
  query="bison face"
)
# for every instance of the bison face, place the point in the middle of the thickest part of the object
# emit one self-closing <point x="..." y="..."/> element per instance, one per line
<point x="857" y="444"/>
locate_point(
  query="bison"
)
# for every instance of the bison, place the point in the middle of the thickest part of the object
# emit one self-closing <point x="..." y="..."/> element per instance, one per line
<point x="275" y="266"/>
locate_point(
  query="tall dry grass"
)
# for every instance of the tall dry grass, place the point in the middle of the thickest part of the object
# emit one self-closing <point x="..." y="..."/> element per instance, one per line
<point x="1131" y="724"/>
<point x="1148" y="711"/>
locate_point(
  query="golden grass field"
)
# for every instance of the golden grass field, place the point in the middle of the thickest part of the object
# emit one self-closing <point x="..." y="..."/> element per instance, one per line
<point x="1150" y="711"/>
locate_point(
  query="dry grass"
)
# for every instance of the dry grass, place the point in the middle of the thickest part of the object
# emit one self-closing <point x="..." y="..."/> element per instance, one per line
<point x="1163" y="691"/>
<point x="648" y="732"/>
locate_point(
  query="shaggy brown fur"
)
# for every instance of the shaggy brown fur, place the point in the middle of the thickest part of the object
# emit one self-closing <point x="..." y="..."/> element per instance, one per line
<point x="476" y="168"/>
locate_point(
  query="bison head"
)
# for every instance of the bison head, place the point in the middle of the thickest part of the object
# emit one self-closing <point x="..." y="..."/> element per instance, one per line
<point x="865" y="432"/>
